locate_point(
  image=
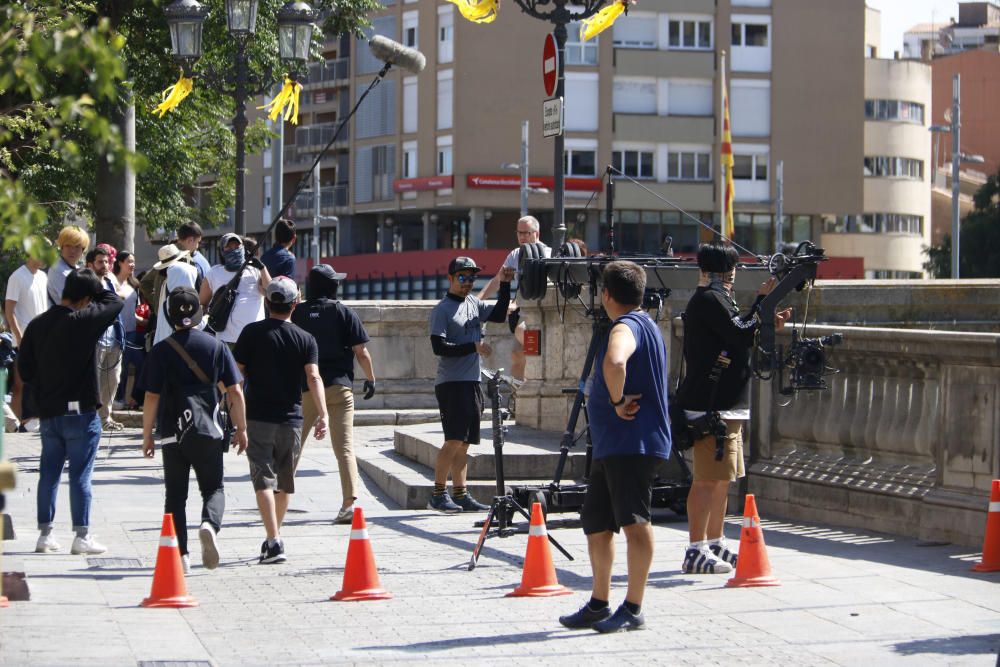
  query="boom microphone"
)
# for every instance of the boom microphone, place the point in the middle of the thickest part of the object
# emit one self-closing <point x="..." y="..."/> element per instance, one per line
<point x="394" y="53"/>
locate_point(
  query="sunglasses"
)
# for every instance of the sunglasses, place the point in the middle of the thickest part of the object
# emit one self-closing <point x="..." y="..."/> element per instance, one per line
<point x="465" y="279"/>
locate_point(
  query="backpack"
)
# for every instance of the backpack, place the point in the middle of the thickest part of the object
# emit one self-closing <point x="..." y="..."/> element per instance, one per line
<point x="223" y="300"/>
<point x="191" y="410"/>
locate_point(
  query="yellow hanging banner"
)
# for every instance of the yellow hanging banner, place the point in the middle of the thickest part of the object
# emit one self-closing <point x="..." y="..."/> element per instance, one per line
<point x="286" y="101"/>
<point x="602" y="20"/>
<point x="174" y="95"/>
<point x="478" y="11"/>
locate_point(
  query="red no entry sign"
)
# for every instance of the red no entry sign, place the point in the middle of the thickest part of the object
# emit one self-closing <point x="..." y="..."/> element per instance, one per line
<point x="550" y="65"/>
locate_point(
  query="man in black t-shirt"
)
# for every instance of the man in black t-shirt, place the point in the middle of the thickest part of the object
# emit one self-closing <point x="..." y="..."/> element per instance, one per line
<point x="341" y="338"/>
<point x="184" y="404"/>
<point x="274" y="354"/>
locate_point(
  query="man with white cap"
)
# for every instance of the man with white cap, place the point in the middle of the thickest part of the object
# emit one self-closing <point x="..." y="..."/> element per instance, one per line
<point x="254" y="279"/>
<point x="274" y="354"/>
<point x="183" y="402"/>
<point x="175" y="270"/>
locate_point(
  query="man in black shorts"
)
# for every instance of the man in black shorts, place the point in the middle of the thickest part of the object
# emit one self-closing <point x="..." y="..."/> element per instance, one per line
<point x="456" y="337"/>
<point x="274" y="354"/>
<point x="631" y="434"/>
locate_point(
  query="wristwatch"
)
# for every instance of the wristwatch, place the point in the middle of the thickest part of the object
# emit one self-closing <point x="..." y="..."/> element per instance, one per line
<point x="620" y="401"/>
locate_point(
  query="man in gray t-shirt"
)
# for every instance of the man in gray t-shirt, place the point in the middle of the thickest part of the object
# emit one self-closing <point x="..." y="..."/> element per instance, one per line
<point x="456" y="338"/>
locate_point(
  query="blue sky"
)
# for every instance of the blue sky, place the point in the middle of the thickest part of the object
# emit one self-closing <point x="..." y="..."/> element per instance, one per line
<point x="900" y="15"/>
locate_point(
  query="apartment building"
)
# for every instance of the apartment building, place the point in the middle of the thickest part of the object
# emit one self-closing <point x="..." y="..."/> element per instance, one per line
<point x="422" y="164"/>
<point x="976" y="28"/>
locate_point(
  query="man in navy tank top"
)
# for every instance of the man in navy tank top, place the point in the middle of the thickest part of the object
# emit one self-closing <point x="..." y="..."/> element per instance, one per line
<point x="630" y="430"/>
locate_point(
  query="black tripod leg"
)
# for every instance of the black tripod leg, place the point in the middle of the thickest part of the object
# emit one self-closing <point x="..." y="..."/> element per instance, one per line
<point x="490" y="516"/>
<point x="552" y="540"/>
<point x="569" y="435"/>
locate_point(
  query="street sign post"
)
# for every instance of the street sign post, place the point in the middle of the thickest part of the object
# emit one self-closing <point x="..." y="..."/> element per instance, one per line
<point x="552" y="117"/>
<point x="550" y="65"/>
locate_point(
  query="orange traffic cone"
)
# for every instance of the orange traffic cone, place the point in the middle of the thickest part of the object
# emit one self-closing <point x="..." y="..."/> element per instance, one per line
<point x="169" y="589"/>
<point x="360" y="576"/>
<point x="539" y="576"/>
<point x="991" y="542"/>
<point x="752" y="567"/>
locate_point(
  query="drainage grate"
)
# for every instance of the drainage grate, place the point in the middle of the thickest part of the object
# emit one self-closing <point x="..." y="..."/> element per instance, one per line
<point x="174" y="663"/>
<point x="115" y="563"/>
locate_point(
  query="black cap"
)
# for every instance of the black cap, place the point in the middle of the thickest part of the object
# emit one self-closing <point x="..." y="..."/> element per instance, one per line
<point x="326" y="271"/>
<point x="183" y="308"/>
<point x="462" y="264"/>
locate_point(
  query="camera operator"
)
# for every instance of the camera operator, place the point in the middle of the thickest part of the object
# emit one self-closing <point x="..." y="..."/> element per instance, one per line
<point x="714" y="394"/>
<point x="631" y="435"/>
<point x="456" y="338"/>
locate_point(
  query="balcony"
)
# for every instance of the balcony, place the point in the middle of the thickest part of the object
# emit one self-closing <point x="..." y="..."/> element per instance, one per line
<point x="322" y="74"/>
<point x="332" y="199"/>
<point x="316" y="137"/>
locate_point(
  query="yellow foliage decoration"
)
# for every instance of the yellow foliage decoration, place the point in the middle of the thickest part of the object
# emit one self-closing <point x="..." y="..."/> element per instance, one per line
<point x="478" y="11"/>
<point x="174" y="95"/>
<point x="602" y="20"/>
<point x="287" y="100"/>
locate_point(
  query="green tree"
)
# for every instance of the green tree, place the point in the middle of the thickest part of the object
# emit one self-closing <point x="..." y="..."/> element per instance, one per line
<point x="980" y="242"/>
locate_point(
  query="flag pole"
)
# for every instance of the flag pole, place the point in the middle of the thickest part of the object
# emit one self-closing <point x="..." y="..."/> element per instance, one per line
<point x="722" y="120"/>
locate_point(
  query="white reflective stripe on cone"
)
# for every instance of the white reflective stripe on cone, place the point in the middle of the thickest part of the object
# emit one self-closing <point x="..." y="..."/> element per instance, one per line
<point x="361" y="534"/>
<point x="536" y="531"/>
<point x="751" y="522"/>
<point x="166" y="541"/>
<point x="995" y="507"/>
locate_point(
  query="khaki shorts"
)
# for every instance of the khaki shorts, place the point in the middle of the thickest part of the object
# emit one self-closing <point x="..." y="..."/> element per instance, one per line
<point x="730" y="468"/>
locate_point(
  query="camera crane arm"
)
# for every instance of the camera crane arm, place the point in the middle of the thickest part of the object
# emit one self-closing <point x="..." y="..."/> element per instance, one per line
<point x="788" y="281"/>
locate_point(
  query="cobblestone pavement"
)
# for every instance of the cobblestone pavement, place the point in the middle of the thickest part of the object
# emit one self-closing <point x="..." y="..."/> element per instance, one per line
<point x="846" y="598"/>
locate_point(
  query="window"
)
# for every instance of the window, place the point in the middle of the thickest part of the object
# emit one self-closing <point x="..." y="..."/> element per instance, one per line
<point x="410" y="25"/>
<point x="689" y="34"/>
<point x="634" y="163"/>
<point x="410" y="159"/>
<point x="446" y="33"/>
<point x="689" y="166"/>
<point x="750" y="167"/>
<point x="689" y="98"/>
<point x="580" y="162"/>
<point x="876" y="223"/>
<point x="582" y="103"/>
<point x="367" y="63"/>
<point x="579" y="52"/>
<point x="910" y="112"/>
<point x="445" y="102"/>
<point x="894" y="167"/>
<point x="750" y="34"/>
<point x="635" y="31"/>
<point x="377" y="116"/>
<point x="410" y="102"/>
<point x="375" y="167"/>
<point x="750" y="107"/>
<point x="444" y="156"/>
<point x="633" y="95"/>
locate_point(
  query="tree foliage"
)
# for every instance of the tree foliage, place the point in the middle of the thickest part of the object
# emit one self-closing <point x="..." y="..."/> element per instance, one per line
<point x="980" y="240"/>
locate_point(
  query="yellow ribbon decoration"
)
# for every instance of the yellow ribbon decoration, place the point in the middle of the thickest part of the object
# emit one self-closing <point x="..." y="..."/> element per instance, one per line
<point x="602" y="20"/>
<point x="287" y="100"/>
<point x="478" y="11"/>
<point x="174" y="95"/>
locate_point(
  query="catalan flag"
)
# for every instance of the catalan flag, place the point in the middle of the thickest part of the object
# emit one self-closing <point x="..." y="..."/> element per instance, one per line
<point x="726" y="160"/>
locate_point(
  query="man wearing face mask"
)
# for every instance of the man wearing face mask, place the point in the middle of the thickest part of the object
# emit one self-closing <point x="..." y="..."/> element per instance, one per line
<point x="254" y="279"/>
<point x="717" y="344"/>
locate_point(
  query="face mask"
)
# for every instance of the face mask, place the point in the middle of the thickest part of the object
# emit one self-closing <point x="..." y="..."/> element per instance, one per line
<point x="233" y="259"/>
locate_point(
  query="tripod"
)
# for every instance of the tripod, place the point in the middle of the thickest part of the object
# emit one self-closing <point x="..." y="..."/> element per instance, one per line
<point x="503" y="507"/>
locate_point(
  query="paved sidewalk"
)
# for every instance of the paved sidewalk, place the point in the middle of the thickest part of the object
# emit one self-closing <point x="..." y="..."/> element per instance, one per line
<point x="846" y="598"/>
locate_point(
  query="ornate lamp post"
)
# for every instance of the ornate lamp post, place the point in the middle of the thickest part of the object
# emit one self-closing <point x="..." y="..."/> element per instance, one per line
<point x="295" y="27"/>
<point x="557" y="13"/>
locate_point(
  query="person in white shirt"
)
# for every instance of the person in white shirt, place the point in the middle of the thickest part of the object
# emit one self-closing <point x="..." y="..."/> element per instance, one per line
<point x="180" y="273"/>
<point x="254" y="279"/>
<point x="527" y="232"/>
<point x="27" y="297"/>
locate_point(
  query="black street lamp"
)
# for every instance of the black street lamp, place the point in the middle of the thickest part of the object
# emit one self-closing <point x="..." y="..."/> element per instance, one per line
<point x="557" y="13"/>
<point x="295" y="28"/>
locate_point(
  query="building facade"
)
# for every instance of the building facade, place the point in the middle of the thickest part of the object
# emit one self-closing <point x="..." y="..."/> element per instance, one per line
<point x="425" y="163"/>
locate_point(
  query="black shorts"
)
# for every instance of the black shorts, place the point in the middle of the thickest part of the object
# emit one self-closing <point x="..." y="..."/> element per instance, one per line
<point x="619" y="492"/>
<point x="461" y="406"/>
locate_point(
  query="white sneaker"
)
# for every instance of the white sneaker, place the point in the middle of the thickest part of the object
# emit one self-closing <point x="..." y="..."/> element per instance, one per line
<point x="703" y="561"/>
<point x="46" y="544"/>
<point x="345" y="515"/>
<point x="87" y="546"/>
<point x="209" y="548"/>
<point x="185" y="563"/>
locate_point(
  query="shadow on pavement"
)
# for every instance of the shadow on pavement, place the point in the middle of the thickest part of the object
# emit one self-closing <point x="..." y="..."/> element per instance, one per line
<point x="465" y="642"/>
<point x="964" y="645"/>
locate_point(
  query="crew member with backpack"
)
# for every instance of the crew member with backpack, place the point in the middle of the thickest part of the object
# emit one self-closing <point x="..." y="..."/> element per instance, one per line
<point x="233" y="292"/>
<point x="181" y="378"/>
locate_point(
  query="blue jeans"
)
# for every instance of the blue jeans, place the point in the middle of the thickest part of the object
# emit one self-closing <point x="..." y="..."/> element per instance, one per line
<point x="73" y="437"/>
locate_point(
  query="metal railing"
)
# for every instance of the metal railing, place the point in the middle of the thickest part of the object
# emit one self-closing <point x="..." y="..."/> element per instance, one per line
<point x="330" y="197"/>
<point x="383" y="287"/>
<point x="319" y="134"/>
<point x="330" y="70"/>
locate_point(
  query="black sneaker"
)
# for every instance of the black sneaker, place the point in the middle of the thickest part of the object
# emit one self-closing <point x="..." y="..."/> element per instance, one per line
<point x="263" y="550"/>
<point x="585" y="617"/>
<point x="274" y="554"/>
<point x="621" y="621"/>
<point x="470" y="504"/>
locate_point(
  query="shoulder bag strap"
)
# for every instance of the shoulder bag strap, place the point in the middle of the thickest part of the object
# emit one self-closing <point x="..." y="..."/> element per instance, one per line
<point x="195" y="368"/>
